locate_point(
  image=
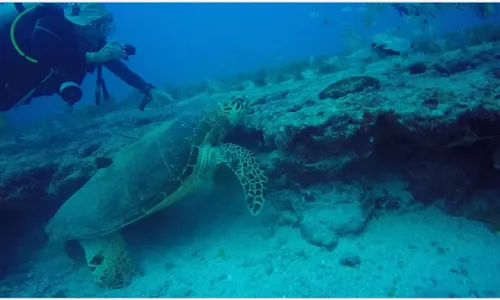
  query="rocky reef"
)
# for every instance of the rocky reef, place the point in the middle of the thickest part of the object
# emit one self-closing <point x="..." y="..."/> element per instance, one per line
<point x="342" y="139"/>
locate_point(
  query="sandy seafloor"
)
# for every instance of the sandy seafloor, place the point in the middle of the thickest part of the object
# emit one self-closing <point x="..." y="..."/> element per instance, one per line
<point x="210" y="246"/>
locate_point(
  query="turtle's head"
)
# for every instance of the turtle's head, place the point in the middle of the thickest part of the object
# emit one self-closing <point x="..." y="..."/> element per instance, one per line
<point x="235" y="108"/>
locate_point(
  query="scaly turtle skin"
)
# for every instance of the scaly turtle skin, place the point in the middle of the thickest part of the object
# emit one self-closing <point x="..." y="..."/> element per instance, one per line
<point x="160" y="169"/>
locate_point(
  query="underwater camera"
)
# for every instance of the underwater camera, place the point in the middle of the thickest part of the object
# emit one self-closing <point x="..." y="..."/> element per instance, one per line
<point x="129" y="49"/>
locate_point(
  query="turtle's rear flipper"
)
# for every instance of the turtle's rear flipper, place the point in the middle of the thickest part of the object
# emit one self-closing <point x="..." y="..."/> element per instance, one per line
<point x="252" y="178"/>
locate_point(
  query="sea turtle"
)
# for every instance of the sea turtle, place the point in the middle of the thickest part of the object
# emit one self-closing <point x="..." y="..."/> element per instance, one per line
<point x="158" y="170"/>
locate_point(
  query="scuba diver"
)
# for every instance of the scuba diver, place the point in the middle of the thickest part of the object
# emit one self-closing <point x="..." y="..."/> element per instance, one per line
<point x="49" y="48"/>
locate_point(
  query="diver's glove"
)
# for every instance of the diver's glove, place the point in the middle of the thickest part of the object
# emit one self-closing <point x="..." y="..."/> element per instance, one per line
<point x="153" y="94"/>
<point x="113" y="50"/>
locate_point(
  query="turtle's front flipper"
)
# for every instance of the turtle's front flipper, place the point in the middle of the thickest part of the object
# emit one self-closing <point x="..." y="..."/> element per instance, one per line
<point x="109" y="260"/>
<point x="252" y="178"/>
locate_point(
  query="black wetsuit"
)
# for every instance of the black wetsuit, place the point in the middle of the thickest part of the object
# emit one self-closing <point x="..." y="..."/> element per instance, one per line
<point x="47" y="36"/>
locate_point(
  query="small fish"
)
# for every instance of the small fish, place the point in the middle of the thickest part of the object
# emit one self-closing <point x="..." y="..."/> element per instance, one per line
<point x="324" y="18"/>
<point x="460" y="37"/>
<point x="368" y="21"/>
<point x="485" y="10"/>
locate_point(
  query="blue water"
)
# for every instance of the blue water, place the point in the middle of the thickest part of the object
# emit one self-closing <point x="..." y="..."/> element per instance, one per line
<point x="312" y="239"/>
<point x="182" y="43"/>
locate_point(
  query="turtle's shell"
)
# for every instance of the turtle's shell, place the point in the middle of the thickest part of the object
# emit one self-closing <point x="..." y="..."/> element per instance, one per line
<point x="393" y="43"/>
<point x="140" y="178"/>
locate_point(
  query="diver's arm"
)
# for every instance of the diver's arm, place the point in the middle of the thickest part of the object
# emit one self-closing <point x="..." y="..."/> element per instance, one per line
<point x="124" y="73"/>
<point x="9" y="11"/>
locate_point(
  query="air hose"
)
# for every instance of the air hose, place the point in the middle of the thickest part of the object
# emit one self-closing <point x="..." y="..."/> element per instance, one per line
<point x="13" y="38"/>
